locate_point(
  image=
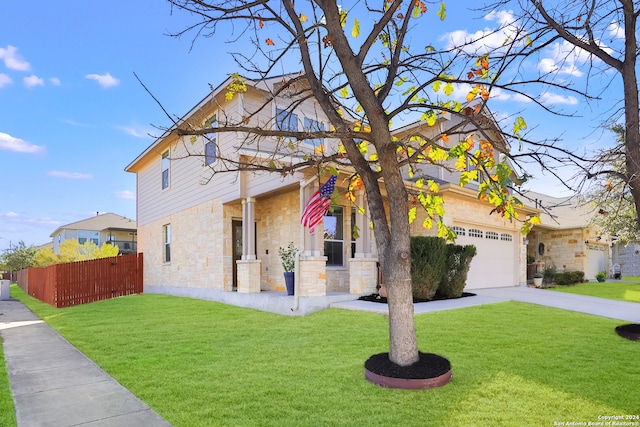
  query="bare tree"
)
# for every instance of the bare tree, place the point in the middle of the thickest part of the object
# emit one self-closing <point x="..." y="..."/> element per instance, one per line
<point x="598" y="37"/>
<point x="362" y="68"/>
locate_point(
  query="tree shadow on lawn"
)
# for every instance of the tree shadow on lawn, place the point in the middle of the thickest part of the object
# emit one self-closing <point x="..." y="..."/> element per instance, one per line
<point x="554" y="355"/>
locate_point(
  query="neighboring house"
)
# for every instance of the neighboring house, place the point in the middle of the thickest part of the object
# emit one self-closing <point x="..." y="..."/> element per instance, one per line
<point x="102" y="228"/>
<point x="566" y="238"/>
<point x="222" y="232"/>
<point x="627" y="256"/>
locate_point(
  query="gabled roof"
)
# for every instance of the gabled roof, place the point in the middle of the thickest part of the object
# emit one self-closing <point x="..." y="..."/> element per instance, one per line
<point x="107" y="221"/>
<point x="264" y="85"/>
<point x="560" y="212"/>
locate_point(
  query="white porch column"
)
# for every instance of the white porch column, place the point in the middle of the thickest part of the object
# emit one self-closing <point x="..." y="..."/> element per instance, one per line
<point x="363" y="242"/>
<point x="363" y="267"/>
<point x="311" y="279"/>
<point x="249" y="267"/>
<point x="248" y="229"/>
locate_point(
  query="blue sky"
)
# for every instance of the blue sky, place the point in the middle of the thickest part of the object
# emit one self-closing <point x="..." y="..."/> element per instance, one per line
<point x="73" y="115"/>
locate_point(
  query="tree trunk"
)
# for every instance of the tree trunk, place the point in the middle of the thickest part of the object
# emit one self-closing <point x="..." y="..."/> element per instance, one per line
<point x="631" y="104"/>
<point x="395" y="260"/>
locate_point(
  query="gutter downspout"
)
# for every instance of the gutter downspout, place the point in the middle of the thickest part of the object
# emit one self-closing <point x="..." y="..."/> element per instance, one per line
<point x="296" y="274"/>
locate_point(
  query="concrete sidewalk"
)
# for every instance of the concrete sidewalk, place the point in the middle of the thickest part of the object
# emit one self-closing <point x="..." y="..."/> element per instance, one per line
<point x="621" y="310"/>
<point x="54" y="384"/>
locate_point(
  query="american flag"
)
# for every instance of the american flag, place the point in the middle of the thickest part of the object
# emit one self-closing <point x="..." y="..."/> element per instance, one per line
<point x="318" y="205"/>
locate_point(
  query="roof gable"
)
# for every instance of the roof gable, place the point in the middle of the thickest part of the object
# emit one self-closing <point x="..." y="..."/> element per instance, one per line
<point x="100" y="222"/>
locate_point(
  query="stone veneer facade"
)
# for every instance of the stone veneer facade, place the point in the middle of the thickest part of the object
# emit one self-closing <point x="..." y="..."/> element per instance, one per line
<point x="202" y="251"/>
<point x="566" y="249"/>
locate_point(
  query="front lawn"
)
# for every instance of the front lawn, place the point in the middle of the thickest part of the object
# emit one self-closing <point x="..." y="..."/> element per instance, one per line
<point x="611" y="290"/>
<point x="7" y="411"/>
<point x="208" y="364"/>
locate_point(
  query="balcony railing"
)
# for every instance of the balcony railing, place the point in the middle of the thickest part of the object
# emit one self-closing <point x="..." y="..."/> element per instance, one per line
<point x="126" y="247"/>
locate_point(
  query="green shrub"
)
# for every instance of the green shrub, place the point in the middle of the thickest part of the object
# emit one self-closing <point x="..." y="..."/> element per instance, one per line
<point x="458" y="263"/>
<point x="577" y="276"/>
<point x="565" y="278"/>
<point x="428" y="264"/>
<point x="550" y="273"/>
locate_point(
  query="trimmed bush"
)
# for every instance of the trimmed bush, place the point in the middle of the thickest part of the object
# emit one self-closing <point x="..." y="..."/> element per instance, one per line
<point x="428" y="265"/>
<point x="458" y="263"/>
<point x="565" y="278"/>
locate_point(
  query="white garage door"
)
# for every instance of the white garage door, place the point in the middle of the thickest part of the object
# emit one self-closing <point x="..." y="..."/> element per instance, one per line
<point x="495" y="262"/>
<point x="595" y="261"/>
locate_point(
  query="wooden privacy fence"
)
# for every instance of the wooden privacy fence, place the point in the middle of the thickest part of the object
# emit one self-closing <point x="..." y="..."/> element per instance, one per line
<point x="64" y="285"/>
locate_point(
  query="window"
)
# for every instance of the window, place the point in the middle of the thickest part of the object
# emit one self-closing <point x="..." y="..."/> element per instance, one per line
<point x="354" y="232"/>
<point x="91" y="236"/>
<point x="211" y="142"/>
<point x="334" y="236"/>
<point x="474" y="232"/>
<point x="491" y="235"/>
<point x="165" y="169"/>
<point x="286" y="120"/>
<point x="311" y="125"/>
<point x="506" y="237"/>
<point x="459" y="230"/>
<point x="166" y="241"/>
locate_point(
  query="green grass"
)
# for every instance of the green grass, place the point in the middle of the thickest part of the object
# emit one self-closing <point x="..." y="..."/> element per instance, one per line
<point x="207" y="364"/>
<point x="611" y="290"/>
<point x="7" y="411"/>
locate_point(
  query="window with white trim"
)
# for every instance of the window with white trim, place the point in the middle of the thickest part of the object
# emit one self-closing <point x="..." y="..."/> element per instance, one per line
<point x="474" y="232"/>
<point x="166" y="243"/>
<point x="460" y="231"/>
<point x="506" y="237"/>
<point x="311" y="125"/>
<point x="286" y="120"/>
<point x="334" y="236"/>
<point x="492" y="235"/>
<point x="211" y="141"/>
<point x="88" y="236"/>
<point x="165" y="165"/>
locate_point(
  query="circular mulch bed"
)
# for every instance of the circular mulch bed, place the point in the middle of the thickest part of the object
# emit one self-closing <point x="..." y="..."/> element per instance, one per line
<point x="383" y="300"/>
<point x="630" y="331"/>
<point x="430" y="371"/>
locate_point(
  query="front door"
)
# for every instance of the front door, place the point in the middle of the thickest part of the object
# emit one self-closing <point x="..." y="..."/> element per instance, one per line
<point x="236" y="226"/>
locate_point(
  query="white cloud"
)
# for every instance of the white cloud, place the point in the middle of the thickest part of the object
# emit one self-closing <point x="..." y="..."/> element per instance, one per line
<point x="54" y="81"/>
<point x="33" y="81"/>
<point x="11" y="214"/>
<point x="5" y="80"/>
<point x="104" y="80"/>
<point x="135" y="131"/>
<point x="73" y="123"/>
<point x="488" y="39"/>
<point x="12" y="60"/>
<point x="548" y="65"/>
<point x="69" y="175"/>
<point x="554" y="98"/>
<point x="10" y="143"/>
<point x="498" y="94"/>
<point x="502" y="16"/>
<point x="615" y="30"/>
<point x="126" y="195"/>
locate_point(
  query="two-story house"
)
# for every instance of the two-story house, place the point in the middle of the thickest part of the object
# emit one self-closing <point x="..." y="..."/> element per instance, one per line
<point x="102" y="228"/>
<point x="203" y="231"/>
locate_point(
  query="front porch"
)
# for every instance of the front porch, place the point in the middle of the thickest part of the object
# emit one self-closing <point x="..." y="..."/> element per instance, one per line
<point x="270" y="301"/>
<point x="273" y="219"/>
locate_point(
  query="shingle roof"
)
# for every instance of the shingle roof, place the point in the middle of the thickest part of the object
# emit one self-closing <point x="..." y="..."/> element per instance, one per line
<point x="560" y="212"/>
<point x="100" y="222"/>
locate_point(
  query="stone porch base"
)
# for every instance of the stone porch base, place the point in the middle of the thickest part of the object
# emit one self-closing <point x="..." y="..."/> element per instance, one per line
<point x="273" y="302"/>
